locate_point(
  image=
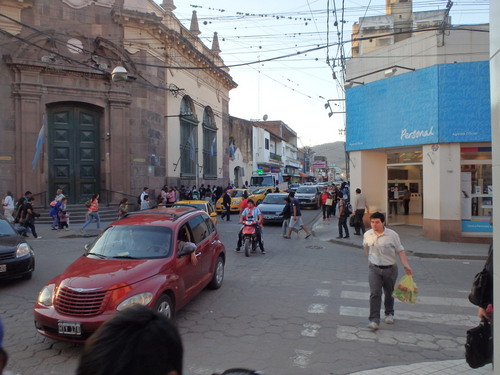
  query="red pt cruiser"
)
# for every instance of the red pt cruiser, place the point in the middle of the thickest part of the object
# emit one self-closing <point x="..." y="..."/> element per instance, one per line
<point x="159" y="258"/>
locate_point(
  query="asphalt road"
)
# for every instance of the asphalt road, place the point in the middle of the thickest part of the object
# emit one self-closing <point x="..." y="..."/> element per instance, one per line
<point x="300" y="309"/>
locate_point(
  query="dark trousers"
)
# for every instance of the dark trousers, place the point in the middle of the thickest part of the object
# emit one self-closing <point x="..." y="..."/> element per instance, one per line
<point x="406" y="205"/>
<point x="359" y="221"/>
<point x="381" y="279"/>
<point x="343" y="224"/>
<point x="31" y="224"/>
<point x="393" y="205"/>
<point x="326" y="211"/>
<point x="225" y="213"/>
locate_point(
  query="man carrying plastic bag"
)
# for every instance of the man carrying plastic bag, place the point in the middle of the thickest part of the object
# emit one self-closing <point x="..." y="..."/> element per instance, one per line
<point x="382" y="247"/>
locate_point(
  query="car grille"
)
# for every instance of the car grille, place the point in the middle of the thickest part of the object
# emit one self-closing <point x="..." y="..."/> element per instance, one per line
<point x="86" y="303"/>
<point x="8" y="255"/>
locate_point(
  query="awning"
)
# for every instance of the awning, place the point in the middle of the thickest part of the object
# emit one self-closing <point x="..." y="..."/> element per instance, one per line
<point x="303" y="174"/>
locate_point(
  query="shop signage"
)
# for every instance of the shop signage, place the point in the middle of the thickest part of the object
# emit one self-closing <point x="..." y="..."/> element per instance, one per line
<point x="441" y="104"/>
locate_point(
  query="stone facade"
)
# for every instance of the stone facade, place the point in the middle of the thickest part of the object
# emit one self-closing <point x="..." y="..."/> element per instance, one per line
<point x="95" y="134"/>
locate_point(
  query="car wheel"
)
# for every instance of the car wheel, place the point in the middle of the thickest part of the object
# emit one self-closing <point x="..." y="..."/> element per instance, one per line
<point x="218" y="275"/>
<point x="165" y="306"/>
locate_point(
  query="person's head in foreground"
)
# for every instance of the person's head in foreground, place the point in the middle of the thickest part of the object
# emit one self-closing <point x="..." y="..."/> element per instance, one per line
<point x="135" y="341"/>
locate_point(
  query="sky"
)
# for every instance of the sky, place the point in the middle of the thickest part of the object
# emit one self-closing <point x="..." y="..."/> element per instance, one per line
<point x="301" y="39"/>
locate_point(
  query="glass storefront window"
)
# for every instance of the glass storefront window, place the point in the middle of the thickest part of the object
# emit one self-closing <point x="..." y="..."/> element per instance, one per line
<point x="477" y="190"/>
<point x="404" y="157"/>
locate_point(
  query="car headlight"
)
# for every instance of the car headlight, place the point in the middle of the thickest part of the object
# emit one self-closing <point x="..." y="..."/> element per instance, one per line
<point x="237" y="201"/>
<point x="46" y="295"/>
<point x="22" y="250"/>
<point x="139" y="299"/>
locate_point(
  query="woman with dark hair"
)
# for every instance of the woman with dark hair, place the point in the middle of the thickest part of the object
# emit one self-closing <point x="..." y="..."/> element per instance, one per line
<point x="93" y="212"/>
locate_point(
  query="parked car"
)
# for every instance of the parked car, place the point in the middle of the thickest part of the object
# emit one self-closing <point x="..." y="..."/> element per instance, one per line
<point x="145" y="258"/>
<point x="236" y="198"/>
<point x="309" y="196"/>
<point x="17" y="258"/>
<point x="272" y="206"/>
<point x="206" y="206"/>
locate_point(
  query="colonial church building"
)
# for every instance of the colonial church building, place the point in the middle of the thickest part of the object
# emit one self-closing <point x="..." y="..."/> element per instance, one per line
<point x="108" y="96"/>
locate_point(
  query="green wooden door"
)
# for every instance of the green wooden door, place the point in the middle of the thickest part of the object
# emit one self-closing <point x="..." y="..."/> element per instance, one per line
<point x="73" y="152"/>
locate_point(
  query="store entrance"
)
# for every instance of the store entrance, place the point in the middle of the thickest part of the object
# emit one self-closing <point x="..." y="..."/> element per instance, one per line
<point x="404" y="194"/>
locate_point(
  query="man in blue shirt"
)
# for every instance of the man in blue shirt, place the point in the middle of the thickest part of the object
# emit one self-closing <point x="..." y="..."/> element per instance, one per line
<point x="254" y="215"/>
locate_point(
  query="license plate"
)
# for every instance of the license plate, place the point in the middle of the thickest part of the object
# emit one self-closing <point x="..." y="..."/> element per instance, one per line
<point x="3" y="268"/>
<point x="70" y="328"/>
<point x="268" y="217"/>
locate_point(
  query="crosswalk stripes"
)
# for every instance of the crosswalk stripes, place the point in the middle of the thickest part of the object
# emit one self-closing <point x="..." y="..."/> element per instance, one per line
<point x="350" y="298"/>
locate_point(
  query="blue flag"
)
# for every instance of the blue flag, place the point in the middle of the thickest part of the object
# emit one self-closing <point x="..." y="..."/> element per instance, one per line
<point x="39" y="143"/>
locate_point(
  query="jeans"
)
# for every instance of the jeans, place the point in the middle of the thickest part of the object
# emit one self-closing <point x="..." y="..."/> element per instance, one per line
<point x="343" y="224"/>
<point x="284" y="226"/>
<point x="31" y="225"/>
<point x="381" y="279"/>
<point x="226" y="212"/>
<point x="55" y="221"/>
<point x="326" y="211"/>
<point x="92" y="216"/>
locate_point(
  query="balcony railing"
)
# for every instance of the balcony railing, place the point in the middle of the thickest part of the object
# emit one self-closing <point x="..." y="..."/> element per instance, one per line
<point x="274" y="156"/>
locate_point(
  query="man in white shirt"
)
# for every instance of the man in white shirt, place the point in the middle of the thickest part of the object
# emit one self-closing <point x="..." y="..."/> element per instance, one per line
<point x="359" y="211"/>
<point x="8" y="207"/>
<point x="382" y="247"/>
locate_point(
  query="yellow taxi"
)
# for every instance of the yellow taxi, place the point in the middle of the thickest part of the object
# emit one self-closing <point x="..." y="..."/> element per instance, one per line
<point x="259" y="194"/>
<point x="236" y="198"/>
<point x="206" y="206"/>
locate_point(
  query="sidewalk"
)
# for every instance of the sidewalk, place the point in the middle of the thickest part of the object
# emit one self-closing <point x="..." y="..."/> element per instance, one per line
<point x="416" y="245"/>
<point x="411" y="238"/>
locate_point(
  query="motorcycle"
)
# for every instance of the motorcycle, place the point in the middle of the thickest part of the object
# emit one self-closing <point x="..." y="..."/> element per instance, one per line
<point x="250" y="238"/>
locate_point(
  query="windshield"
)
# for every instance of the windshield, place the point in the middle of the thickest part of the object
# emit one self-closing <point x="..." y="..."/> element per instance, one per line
<point x="275" y="199"/>
<point x="133" y="241"/>
<point x="6" y="229"/>
<point x="307" y="189"/>
<point x="259" y="191"/>
<point x="261" y="181"/>
<point x="236" y="193"/>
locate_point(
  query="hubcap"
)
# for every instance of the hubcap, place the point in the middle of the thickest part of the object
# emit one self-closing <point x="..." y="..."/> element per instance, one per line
<point x="164" y="309"/>
<point x="219" y="273"/>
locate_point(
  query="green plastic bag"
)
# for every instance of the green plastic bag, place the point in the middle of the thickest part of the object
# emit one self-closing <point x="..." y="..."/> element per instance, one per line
<point x="406" y="290"/>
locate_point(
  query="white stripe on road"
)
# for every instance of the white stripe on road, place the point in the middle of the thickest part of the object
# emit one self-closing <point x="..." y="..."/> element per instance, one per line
<point x="311" y="330"/>
<point x="317" y="308"/>
<point x="322" y="293"/>
<point x="421" y="300"/>
<point x="301" y="358"/>
<point x="446" y="319"/>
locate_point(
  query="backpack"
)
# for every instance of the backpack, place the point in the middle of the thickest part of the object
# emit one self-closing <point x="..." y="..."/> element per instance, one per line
<point x="88" y="203"/>
<point x="139" y="200"/>
<point x="348" y="209"/>
<point x="53" y="203"/>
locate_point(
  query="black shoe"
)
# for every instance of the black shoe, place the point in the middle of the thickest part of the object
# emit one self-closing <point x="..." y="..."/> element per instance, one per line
<point x="339" y="237"/>
<point x="357" y="234"/>
<point x="346" y="236"/>
<point x="237" y="249"/>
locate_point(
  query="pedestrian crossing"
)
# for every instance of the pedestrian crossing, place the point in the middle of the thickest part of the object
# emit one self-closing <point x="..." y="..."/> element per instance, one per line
<point x="442" y="338"/>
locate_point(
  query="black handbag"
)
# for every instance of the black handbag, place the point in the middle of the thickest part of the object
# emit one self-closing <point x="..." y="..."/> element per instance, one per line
<point x="479" y="345"/>
<point x="352" y="221"/>
<point x="481" y="291"/>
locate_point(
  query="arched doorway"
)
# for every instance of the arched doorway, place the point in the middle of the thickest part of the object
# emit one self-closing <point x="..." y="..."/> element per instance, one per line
<point x="238" y="177"/>
<point x="74" y="157"/>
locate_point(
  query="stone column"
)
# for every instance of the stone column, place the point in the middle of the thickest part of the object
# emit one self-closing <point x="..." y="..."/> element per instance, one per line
<point x="116" y="135"/>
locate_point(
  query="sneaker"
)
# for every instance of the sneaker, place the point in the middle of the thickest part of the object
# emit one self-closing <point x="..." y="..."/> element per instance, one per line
<point x="346" y="236"/>
<point x="389" y="319"/>
<point x="39" y="237"/>
<point x="263" y="252"/>
<point x="373" y="326"/>
<point x="339" y="237"/>
<point x="237" y="249"/>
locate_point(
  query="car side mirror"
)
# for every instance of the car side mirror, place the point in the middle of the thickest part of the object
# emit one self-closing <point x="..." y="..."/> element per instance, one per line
<point x="86" y="246"/>
<point x="186" y="249"/>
